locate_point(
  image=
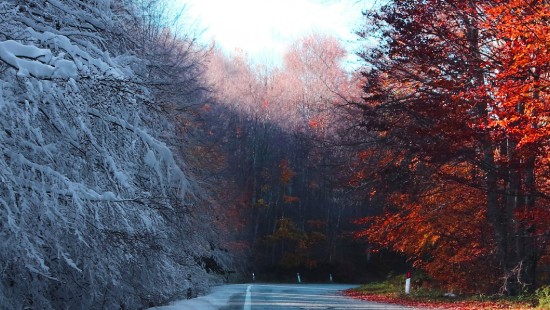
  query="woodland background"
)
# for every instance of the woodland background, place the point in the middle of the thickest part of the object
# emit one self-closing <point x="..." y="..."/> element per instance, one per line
<point x="139" y="166"/>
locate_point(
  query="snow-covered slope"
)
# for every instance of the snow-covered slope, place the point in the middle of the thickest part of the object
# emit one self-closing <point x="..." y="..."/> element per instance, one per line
<point x="94" y="206"/>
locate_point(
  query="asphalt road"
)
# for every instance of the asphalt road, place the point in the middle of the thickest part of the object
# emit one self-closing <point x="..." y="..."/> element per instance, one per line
<point x="297" y="296"/>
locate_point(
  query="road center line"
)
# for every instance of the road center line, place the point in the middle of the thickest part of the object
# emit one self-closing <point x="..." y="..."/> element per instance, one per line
<point x="248" y="299"/>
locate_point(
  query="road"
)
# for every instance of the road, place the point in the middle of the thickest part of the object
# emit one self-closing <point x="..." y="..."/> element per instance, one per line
<point x="277" y="297"/>
<point x="296" y="296"/>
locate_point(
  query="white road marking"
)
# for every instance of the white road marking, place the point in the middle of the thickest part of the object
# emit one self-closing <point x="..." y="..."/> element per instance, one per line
<point x="248" y="299"/>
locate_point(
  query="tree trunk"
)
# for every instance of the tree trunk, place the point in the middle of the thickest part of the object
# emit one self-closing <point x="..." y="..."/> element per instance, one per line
<point x="527" y="233"/>
<point x="514" y="245"/>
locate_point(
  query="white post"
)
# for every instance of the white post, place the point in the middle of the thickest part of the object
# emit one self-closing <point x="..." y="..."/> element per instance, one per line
<point x="330" y="277"/>
<point x="253" y="277"/>
<point x="408" y="283"/>
<point x="299" y="279"/>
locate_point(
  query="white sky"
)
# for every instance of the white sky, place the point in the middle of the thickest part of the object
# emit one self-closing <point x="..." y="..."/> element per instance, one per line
<point x="264" y="28"/>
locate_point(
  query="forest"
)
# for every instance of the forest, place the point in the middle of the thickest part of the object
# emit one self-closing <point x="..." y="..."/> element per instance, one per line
<point x="140" y="166"/>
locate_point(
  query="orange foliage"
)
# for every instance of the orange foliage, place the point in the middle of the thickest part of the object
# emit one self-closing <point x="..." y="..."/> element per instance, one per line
<point x="443" y="231"/>
<point x="318" y="122"/>
<point x="521" y="84"/>
<point x="286" y="172"/>
<point x="438" y="304"/>
<point x="461" y="95"/>
<point x="298" y="245"/>
<point x="290" y="199"/>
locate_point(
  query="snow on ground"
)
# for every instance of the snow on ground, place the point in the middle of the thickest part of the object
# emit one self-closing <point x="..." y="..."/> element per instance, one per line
<point x="218" y="297"/>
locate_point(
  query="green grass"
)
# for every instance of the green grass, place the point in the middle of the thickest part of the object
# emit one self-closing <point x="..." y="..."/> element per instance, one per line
<point x="543" y="296"/>
<point x="395" y="286"/>
<point x="378" y="288"/>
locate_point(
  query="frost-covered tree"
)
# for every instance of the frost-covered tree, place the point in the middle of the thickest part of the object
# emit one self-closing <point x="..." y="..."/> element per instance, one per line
<point x="96" y="207"/>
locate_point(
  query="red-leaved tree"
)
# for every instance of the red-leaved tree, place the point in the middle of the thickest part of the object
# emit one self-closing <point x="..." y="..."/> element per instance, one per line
<point x="457" y="91"/>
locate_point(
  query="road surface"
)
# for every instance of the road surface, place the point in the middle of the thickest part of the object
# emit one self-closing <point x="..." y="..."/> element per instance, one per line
<point x="296" y="296"/>
<point x="278" y="297"/>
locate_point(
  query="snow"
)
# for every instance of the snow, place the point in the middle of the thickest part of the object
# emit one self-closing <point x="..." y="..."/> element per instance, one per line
<point x="70" y="262"/>
<point x="90" y="186"/>
<point x="150" y="159"/>
<point x="64" y="69"/>
<point x="34" y="61"/>
<point x="108" y="196"/>
<point x="2" y="103"/>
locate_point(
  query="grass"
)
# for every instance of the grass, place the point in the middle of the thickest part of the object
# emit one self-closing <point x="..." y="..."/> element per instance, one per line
<point x="392" y="291"/>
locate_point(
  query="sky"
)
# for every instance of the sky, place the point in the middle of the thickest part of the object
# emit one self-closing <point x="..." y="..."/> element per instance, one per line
<point x="265" y="28"/>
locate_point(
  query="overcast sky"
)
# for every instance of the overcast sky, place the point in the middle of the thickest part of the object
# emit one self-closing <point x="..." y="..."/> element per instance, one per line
<point x="264" y="28"/>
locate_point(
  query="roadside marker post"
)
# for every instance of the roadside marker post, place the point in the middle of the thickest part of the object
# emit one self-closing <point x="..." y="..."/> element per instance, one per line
<point x="408" y="283"/>
<point x="299" y="279"/>
<point x="330" y="277"/>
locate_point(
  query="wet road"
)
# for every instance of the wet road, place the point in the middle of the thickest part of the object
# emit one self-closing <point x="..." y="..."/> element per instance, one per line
<point x="296" y="296"/>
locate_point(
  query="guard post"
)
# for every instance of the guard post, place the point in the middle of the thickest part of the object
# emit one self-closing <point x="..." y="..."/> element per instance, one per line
<point x="408" y="283"/>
